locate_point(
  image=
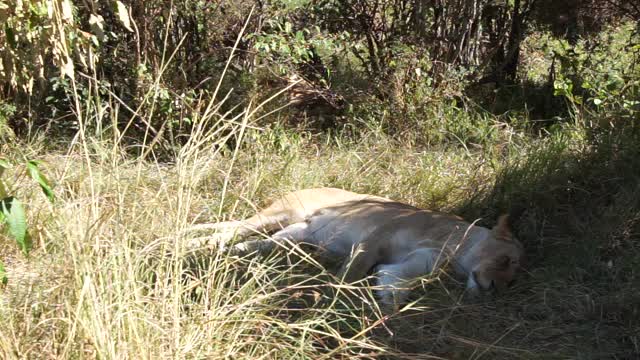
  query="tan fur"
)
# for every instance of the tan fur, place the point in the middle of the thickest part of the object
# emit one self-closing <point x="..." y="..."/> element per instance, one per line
<point x="398" y="242"/>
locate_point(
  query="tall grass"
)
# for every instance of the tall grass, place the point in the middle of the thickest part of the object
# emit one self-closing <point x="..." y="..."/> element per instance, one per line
<point x="111" y="277"/>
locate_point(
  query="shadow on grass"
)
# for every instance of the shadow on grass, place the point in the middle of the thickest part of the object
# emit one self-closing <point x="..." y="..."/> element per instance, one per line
<point x="536" y="100"/>
<point x="577" y="211"/>
<point x="578" y="215"/>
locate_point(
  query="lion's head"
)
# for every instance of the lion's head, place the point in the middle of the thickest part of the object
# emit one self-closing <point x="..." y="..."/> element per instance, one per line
<point x="500" y="258"/>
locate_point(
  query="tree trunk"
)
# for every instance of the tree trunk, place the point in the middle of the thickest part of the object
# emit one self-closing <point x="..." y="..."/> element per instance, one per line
<point x="510" y="68"/>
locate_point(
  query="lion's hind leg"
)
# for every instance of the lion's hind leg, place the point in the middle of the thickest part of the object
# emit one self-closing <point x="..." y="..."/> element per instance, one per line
<point x="295" y="233"/>
<point x="221" y="233"/>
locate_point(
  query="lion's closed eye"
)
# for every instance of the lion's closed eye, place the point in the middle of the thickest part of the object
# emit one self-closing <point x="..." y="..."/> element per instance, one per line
<point x="503" y="262"/>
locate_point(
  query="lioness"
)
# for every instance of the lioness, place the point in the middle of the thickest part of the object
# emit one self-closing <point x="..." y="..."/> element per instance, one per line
<point x="399" y="242"/>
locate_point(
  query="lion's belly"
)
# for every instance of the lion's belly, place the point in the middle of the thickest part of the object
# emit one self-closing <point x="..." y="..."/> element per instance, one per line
<point x="336" y="234"/>
<point x="340" y="231"/>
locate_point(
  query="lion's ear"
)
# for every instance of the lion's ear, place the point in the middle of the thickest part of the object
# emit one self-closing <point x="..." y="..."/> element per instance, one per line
<point x="502" y="231"/>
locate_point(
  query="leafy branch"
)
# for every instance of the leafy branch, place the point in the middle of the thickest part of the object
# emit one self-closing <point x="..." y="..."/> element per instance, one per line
<point x="12" y="212"/>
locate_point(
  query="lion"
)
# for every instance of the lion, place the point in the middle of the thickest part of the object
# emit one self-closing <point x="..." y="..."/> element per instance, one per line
<point x="394" y="241"/>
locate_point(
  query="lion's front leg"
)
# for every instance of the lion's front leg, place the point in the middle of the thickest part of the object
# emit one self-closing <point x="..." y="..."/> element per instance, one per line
<point x="361" y="260"/>
<point x="394" y="280"/>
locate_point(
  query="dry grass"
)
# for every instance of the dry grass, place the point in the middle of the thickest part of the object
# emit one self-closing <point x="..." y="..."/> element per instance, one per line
<point x="110" y="277"/>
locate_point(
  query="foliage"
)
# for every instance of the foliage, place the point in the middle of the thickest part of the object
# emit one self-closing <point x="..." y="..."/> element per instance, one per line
<point x="592" y="80"/>
<point x="12" y="212"/>
<point x="159" y="59"/>
<point x="576" y="19"/>
<point x="470" y="34"/>
<point x="40" y="38"/>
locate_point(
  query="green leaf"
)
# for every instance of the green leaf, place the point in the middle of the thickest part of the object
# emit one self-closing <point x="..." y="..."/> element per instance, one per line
<point x="4" y="164"/>
<point x="3" y="274"/>
<point x="577" y="100"/>
<point x="17" y="222"/>
<point x="123" y="15"/>
<point x="67" y="68"/>
<point x="97" y="26"/>
<point x="10" y="35"/>
<point x="3" y="193"/>
<point x="34" y="172"/>
<point x="67" y="10"/>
